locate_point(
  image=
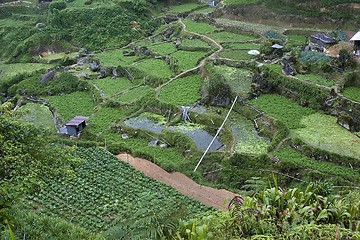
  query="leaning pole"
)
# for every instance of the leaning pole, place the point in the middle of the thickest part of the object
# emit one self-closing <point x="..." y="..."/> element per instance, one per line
<point x="217" y="133"/>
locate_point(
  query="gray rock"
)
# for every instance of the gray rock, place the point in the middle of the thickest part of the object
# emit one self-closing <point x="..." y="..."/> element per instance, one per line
<point x="47" y="77"/>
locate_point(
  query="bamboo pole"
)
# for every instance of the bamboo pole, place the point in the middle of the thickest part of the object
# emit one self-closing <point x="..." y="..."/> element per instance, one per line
<point x="217" y="133"/>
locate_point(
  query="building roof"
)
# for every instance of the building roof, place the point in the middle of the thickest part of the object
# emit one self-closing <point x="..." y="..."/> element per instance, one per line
<point x="76" y="121"/>
<point x="325" y="38"/>
<point x="356" y="37"/>
<point x="277" y="46"/>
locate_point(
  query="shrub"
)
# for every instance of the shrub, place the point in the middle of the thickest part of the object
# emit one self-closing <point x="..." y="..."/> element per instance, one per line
<point x="60" y="5"/>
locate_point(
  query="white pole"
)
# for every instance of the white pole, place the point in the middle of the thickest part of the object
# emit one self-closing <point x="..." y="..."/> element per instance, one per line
<point x="217" y="133"/>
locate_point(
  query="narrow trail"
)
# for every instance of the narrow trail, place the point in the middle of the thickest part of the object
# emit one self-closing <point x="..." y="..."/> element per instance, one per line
<point x="208" y="196"/>
<point x="200" y="65"/>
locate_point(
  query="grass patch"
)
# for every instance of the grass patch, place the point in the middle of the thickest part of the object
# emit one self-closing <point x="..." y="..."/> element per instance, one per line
<point x="283" y="109"/>
<point x="317" y="79"/>
<point x="230" y="37"/>
<point x="163" y="48"/>
<point x="295" y="40"/>
<point x="205" y="10"/>
<point x="242" y="2"/>
<point x="240" y="55"/>
<point x="238" y="79"/>
<point x="57" y="57"/>
<point x="182" y="91"/>
<point x="187" y="7"/>
<point x="194" y="43"/>
<point x="10" y="70"/>
<point x="38" y="114"/>
<point x="187" y="60"/>
<point x="322" y="131"/>
<point x="241" y="46"/>
<point x="199" y="27"/>
<point x="111" y="86"/>
<point x="290" y="155"/>
<point x="134" y="94"/>
<point x="115" y="58"/>
<point x="352" y="93"/>
<point x="73" y="104"/>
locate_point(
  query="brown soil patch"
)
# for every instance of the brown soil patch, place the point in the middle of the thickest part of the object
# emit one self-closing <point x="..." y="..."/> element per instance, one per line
<point x="209" y="196"/>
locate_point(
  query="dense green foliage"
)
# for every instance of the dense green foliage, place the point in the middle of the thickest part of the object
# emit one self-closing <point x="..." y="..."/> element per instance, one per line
<point x="276" y="213"/>
<point x="73" y="104"/>
<point x="103" y="180"/>
<point x="352" y="93"/>
<point x="282" y="109"/>
<point x="182" y="91"/>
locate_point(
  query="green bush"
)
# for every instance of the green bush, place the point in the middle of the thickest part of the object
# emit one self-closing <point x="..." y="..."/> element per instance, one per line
<point x="58" y="5"/>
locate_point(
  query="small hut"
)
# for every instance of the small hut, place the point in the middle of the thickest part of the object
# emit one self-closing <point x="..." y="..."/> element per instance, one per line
<point x="322" y="41"/>
<point x="76" y="125"/>
<point x="356" y="40"/>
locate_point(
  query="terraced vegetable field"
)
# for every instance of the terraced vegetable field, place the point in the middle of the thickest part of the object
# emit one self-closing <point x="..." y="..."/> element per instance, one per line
<point x="104" y="191"/>
<point x="182" y="91"/>
<point x="72" y="104"/>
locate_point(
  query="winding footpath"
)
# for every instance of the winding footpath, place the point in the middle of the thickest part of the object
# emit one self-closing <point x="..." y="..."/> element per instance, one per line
<point x="200" y="65"/>
<point x="217" y="198"/>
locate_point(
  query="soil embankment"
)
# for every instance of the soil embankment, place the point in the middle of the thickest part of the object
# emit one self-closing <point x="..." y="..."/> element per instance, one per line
<point x="209" y="196"/>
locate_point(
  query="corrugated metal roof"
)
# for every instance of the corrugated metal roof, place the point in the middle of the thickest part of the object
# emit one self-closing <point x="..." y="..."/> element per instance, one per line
<point x="356" y="37"/>
<point x="277" y="46"/>
<point x="76" y="121"/>
<point x="324" y="38"/>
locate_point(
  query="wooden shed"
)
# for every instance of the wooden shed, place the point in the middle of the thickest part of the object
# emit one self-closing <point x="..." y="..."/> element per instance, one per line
<point x="356" y="40"/>
<point x="76" y="125"/>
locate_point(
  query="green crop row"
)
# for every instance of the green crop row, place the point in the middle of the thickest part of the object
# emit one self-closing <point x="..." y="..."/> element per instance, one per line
<point x="182" y="91"/>
<point x="291" y="156"/>
<point x="72" y="104"/>
<point x="230" y="37"/>
<point x="105" y="191"/>
<point x="283" y="109"/>
<point x="110" y="86"/>
<point x="199" y="27"/>
<point x="352" y="93"/>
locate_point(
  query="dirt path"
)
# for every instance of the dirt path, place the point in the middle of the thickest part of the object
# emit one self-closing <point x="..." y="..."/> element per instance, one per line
<point x="207" y="195"/>
<point x="201" y="63"/>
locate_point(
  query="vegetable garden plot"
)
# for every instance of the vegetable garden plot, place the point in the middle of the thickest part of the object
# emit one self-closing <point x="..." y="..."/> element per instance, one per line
<point x="114" y="58"/>
<point x="163" y="48"/>
<point x="230" y="37"/>
<point x="283" y="109"/>
<point x="322" y="131"/>
<point x="352" y="93"/>
<point x="134" y="94"/>
<point x="182" y="91"/>
<point x="110" y="86"/>
<point x="72" y="104"/>
<point x="291" y="156"/>
<point x="185" y="7"/>
<point x="240" y="55"/>
<point x="199" y="27"/>
<point x="187" y="60"/>
<point x="317" y="79"/>
<point x="104" y="191"/>
<point x="238" y="79"/>
<point x="154" y="67"/>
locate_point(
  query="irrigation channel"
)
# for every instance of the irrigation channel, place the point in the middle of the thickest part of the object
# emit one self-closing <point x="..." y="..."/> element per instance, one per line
<point x="217" y="198"/>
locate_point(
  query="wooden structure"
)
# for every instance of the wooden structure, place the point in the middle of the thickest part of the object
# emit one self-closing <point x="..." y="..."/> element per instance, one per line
<point x="356" y="40"/>
<point x="322" y="41"/>
<point x="76" y="125"/>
